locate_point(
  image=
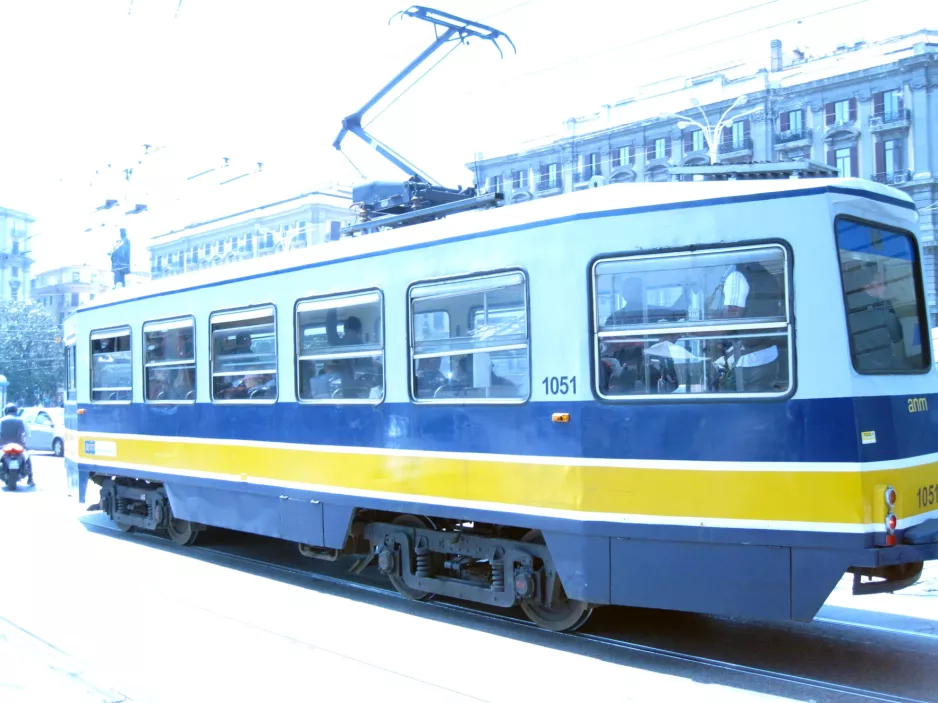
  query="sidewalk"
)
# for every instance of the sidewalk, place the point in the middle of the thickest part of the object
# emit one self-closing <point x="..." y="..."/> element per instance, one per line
<point x="32" y="671"/>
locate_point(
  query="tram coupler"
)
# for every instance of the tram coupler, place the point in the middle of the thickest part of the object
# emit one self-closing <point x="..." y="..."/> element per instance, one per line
<point x="893" y="578"/>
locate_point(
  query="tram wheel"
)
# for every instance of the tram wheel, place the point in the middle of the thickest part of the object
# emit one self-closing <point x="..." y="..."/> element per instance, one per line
<point x="397" y="581"/>
<point x="564" y="614"/>
<point x="182" y="532"/>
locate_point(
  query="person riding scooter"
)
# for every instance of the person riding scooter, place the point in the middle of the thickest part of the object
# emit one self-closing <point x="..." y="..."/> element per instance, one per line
<point x="13" y="429"/>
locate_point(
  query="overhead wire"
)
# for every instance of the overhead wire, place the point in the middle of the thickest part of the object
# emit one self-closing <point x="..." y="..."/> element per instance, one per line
<point x="659" y="35"/>
<point x="704" y="45"/>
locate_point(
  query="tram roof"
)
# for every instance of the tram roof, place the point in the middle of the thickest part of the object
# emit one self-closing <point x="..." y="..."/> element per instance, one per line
<point x="613" y="197"/>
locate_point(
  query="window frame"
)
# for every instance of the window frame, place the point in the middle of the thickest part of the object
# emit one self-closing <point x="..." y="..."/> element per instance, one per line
<point x="709" y="397"/>
<point x="845" y="117"/>
<point x="114" y="332"/>
<point x="195" y="366"/>
<point x="411" y="359"/>
<point x="344" y="355"/>
<point x="211" y="355"/>
<point x="887" y="94"/>
<point x="71" y="371"/>
<point x="917" y="273"/>
<point x="698" y="141"/>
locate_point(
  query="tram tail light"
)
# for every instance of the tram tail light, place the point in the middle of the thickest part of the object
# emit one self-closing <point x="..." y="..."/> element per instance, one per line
<point x="890" y="496"/>
<point x="891" y="530"/>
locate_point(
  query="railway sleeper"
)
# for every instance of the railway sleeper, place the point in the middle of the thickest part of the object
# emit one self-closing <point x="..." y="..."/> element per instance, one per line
<point x="488" y="570"/>
<point x="136" y="504"/>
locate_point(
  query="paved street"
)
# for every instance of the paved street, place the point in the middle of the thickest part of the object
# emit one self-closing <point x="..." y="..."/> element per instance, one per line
<point x="93" y="615"/>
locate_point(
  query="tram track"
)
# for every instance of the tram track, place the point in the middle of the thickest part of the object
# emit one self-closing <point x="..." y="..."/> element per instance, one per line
<point x="570" y="641"/>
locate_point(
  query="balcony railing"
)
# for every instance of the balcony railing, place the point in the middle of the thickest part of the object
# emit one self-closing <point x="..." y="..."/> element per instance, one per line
<point x="736" y="145"/>
<point x="891" y="178"/>
<point x="794" y="135"/>
<point x="547" y="184"/>
<point x="890" y="118"/>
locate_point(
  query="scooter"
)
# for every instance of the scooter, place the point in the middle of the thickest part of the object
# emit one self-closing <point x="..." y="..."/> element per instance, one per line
<point x="12" y="464"/>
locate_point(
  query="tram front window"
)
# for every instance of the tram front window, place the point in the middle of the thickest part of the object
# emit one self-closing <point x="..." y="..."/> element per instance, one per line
<point x="698" y="322"/>
<point x="882" y="293"/>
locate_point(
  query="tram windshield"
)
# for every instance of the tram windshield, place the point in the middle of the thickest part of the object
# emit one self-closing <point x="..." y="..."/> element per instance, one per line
<point x="882" y="293"/>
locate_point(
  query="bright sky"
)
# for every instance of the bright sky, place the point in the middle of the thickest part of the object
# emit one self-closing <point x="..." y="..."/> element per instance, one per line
<point x="87" y="83"/>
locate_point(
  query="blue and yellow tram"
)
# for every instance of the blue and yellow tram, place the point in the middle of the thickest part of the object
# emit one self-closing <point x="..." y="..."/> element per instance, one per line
<point x="710" y="397"/>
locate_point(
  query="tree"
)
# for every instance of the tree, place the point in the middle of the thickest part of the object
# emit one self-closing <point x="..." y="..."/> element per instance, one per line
<point x="31" y="355"/>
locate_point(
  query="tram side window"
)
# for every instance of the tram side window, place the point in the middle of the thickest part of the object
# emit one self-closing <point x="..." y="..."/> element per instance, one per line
<point x="169" y="361"/>
<point x="885" y="309"/>
<point x="71" y="372"/>
<point x="244" y="355"/>
<point x="340" y="348"/>
<point x="469" y="339"/>
<point x="704" y="322"/>
<point x="111" y="370"/>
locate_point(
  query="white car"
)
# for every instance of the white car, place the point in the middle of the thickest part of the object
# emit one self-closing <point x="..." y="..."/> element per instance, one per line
<point x="45" y="428"/>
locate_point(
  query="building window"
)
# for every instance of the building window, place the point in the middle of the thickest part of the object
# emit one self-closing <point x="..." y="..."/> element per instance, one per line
<point x="705" y="322"/>
<point x="244" y="355"/>
<point x="892" y="103"/>
<point x="891" y="155"/>
<point x="494" y="184"/>
<point x="169" y="361"/>
<point x="840" y="112"/>
<point x="791" y="121"/>
<point x="76" y="277"/>
<point x="591" y="166"/>
<point x="845" y="161"/>
<point x="623" y="156"/>
<point x="697" y="140"/>
<point x="482" y="353"/>
<point x="660" y="148"/>
<point x="111" y="371"/>
<point x="16" y="247"/>
<point x="883" y="297"/>
<point x="301" y="236"/>
<point x="340" y="348"/>
<point x="519" y="180"/>
<point x="74" y="300"/>
<point x="15" y="270"/>
<point x="550" y="176"/>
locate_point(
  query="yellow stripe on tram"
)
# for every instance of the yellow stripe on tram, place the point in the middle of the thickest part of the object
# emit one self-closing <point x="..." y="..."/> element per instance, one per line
<point x="810" y="496"/>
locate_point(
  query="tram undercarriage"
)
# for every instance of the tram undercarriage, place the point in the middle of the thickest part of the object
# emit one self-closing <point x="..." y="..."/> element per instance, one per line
<point x="422" y="558"/>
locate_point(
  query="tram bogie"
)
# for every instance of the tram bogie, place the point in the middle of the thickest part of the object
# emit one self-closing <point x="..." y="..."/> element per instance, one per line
<point x="139" y="504"/>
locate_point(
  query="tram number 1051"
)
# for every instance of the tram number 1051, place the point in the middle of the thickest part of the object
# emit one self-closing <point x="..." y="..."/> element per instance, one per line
<point x="559" y="385"/>
<point x="927" y="495"/>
